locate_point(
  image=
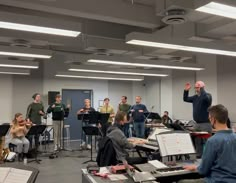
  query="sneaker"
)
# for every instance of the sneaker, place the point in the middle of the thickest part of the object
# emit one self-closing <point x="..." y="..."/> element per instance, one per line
<point x="55" y="148"/>
<point x="83" y="144"/>
<point x="88" y="146"/>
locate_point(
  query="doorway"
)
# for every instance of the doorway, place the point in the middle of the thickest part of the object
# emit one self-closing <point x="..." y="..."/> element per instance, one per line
<point x="75" y="98"/>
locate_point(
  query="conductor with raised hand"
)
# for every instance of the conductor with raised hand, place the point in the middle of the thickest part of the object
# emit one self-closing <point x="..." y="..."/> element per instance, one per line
<point x="201" y="101"/>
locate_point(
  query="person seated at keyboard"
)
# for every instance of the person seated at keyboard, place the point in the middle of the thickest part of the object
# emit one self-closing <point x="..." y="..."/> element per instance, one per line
<point x="165" y="119"/>
<point x="119" y="140"/>
<point x="19" y="128"/>
<point x="218" y="160"/>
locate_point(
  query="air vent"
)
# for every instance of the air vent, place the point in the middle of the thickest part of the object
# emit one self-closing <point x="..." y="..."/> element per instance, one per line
<point x="13" y="58"/>
<point x="175" y="16"/>
<point x="21" y="43"/>
<point x="103" y="53"/>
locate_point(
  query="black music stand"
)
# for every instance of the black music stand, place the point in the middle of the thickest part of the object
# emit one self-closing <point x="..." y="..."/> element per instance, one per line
<point x="92" y="131"/>
<point x="152" y="115"/>
<point x="103" y="120"/>
<point x="4" y="129"/>
<point x="36" y="131"/>
<point x="93" y="118"/>
<point x="84" y="117"/>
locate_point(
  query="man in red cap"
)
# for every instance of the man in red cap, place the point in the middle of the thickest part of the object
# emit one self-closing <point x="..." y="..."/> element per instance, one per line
<point x="201" y="101"/>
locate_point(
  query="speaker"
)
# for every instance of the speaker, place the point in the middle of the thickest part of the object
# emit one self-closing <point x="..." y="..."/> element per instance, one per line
<point x="51" y="96"/>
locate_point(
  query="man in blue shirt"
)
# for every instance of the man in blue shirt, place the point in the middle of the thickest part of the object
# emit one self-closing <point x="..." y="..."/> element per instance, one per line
<point x="201" y="101"/>
<point x="218" y="160"/>
<point x="137" y="112"/>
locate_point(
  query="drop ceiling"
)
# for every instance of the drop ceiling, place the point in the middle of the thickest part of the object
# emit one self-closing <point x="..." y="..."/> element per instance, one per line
<point x="104" y="26"/>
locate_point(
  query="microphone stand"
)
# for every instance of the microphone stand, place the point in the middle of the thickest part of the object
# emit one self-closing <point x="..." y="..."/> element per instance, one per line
<point x="149" y="114"/>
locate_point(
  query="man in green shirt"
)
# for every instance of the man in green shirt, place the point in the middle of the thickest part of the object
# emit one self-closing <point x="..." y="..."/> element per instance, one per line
<point x="125" y="107"/>
<point x="106" y="108"/>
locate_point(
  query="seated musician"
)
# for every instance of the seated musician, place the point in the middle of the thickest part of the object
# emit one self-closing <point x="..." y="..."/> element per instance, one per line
<point x="218" y="160"/>
<point x="119" y="140"/>
<point x="85" y="110"/>
<point x="19" y="128"/>
<point x="165" y="119"/>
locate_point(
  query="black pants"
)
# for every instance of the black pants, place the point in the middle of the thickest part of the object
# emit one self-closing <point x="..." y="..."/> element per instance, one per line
<point x="136" y="160"/>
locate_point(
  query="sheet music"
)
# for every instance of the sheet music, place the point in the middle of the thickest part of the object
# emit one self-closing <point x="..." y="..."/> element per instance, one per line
<point x="13" y="175"/>
<point x="157" y="131"/>
<point x="116" y="177"/>
<point x="175" y="144"/>
<point x="157" y="164"/>
<point x="3" y="174"/>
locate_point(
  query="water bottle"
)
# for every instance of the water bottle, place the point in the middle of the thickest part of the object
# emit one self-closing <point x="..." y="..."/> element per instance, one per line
<point x="25" y="161"/>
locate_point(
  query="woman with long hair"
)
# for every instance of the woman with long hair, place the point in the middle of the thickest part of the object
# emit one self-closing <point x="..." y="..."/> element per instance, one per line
<point x="19" y="128"/>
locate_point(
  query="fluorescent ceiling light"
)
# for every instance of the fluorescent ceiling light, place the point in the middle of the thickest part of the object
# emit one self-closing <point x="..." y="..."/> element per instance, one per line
<point x="118" y="72"/>
<point x="25" y="52"/>
<point x="14" y="71"/>
<point x="145" y="65"/>
<point x="19" y="64"/>
<point x="6" y="53"/>
<point x="219" y="9"/>
<point x="103" y="78"/>
<point x="181" y="47"/>
<point x="38" y="29"/>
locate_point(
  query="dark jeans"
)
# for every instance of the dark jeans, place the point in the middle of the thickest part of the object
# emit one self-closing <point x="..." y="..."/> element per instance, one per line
<point x="126" y="130"/>
<point x="199" y="142"/>
<point x="139" y="129"/>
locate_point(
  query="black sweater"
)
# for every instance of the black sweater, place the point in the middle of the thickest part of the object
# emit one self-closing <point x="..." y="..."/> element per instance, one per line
<point x="59" y="111"/>
<point x="200" y="105"/>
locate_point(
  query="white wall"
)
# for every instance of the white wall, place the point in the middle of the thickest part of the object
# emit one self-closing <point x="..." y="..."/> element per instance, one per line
<point x="139" y="89"/>
<point x="116" y="89"/>
<point x="209" y="75"/>
<point x="152" y="86"/>
<point x="166" y="94"/>
<point x="6" y="98"/>
<point x="23" y="89"/>
<point x="181" y="109"/>
<point x="226" y="67"/>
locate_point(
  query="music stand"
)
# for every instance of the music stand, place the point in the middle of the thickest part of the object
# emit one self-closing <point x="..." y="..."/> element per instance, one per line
<point x="152" y="115"/>
<point x="92" y="131"/>
<point x="83" y="117"/>
<point x="103" y="120"/>
<point x="4" y="129"/>
<point x="36" y="131"/>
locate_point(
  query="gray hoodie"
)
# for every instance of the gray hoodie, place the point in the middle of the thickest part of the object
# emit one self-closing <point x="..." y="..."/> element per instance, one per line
<point x="119" y="141"/>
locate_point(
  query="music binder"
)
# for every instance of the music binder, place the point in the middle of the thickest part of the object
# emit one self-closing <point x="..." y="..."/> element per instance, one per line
<point x="175" y="144"/>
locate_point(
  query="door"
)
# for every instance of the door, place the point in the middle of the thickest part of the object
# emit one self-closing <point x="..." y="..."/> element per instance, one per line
<point x="76" y="100"/>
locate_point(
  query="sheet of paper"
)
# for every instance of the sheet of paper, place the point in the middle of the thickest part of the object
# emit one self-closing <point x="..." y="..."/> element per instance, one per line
<point x="175" y="144"/>
<point x="115" y="177"/>
<point x="157" y="164"/>
<point x="3" y="173"/>
<point x="104" y="170"/>
<point x="13" y="175"/>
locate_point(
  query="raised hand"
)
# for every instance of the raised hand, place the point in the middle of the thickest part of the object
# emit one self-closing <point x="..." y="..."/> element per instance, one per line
<point x="187" y="87"/>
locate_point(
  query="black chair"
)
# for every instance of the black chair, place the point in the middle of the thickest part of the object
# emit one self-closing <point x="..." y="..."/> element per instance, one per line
<point x="106" y="153"/>
<point x="12" y="147"/>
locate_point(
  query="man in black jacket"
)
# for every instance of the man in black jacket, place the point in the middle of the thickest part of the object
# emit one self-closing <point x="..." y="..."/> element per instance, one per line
<point x="58" y="110"/>
<point x="201" y="101"/>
